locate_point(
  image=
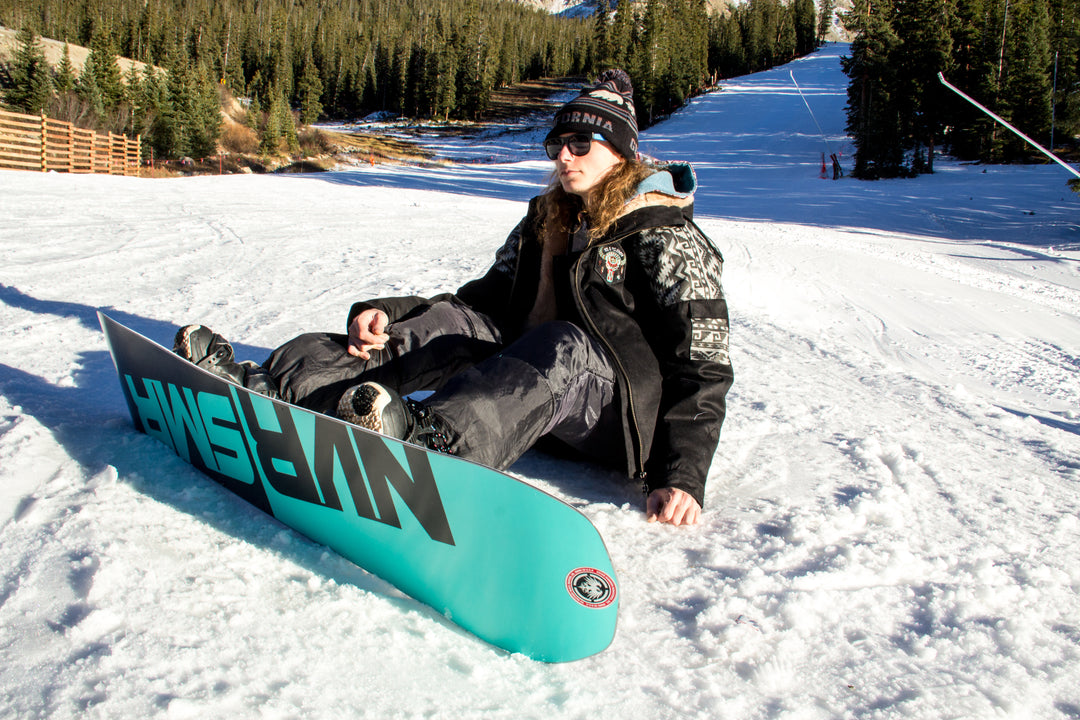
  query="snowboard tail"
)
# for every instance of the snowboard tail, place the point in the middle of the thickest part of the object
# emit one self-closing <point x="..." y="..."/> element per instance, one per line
<point x="497" y="556"/>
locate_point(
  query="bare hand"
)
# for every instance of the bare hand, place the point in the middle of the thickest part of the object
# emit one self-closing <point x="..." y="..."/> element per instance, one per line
<point x="367" y="332"/>
<point x="671" y="505"/>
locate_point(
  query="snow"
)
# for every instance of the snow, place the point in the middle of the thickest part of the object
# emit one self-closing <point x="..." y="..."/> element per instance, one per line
<point x="892" y="517"/>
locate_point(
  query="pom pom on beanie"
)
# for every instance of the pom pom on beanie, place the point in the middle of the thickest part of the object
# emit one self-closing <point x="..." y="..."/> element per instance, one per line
<point x="619" y="79"/>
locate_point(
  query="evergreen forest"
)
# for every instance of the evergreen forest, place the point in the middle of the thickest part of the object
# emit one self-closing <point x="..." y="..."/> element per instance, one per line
<point x="296" y="62"/>
<point x="1020" y="58"/>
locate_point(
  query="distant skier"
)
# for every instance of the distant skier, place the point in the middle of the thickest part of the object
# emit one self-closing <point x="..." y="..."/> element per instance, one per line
<point x="602" y="325"/>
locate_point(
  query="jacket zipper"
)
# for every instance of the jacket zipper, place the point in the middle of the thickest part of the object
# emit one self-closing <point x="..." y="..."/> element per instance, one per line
<point x="634" y="427"/>
<point x="517" y="265"/>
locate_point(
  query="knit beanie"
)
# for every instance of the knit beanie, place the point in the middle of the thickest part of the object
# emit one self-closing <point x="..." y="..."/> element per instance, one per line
<point x="607" y="108"/>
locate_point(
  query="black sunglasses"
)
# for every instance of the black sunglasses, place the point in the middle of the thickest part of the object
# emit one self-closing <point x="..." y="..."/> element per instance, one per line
<point x="579" y="144"/>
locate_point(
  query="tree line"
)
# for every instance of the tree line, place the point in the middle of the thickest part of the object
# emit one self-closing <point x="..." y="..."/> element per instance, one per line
<point x="1020" y="58"/>
<point x="324" y="59"/>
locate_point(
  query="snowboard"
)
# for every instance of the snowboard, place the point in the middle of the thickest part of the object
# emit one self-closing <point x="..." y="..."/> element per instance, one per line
<point x="502" y="559"/>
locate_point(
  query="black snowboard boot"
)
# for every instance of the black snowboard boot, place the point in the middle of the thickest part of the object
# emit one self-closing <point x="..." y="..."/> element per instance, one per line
<point x="205" y="348"/>
<point x="257" y="379"/>
<point x="378" y="408"/>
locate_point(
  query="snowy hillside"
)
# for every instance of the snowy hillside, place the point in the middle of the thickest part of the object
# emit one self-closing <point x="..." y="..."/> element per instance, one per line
<point x="892" y="518"/>
<point x="587" y="8"/>
<point x="54" y="51"/>
<point x="569" y="8"/>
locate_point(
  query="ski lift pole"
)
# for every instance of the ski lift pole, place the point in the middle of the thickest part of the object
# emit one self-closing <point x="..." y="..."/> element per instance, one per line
<point x="812" y="116"/>
<point x="1001" y="120"/>
<point x="832" y="155"/>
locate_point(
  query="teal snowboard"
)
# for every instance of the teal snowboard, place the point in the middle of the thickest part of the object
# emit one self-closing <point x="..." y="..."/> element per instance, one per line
<point x="502" y="559"/>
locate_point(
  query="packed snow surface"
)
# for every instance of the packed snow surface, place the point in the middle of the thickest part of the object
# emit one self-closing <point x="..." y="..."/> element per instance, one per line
<point x="892" y="522"/>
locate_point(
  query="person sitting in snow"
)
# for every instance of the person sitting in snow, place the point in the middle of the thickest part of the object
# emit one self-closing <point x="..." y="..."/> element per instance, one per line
<point x="602" y="324"/>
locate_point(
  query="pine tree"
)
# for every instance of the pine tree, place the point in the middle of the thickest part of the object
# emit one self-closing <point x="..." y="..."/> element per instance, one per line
<point x="698" y="44"/>
<point x="65" y="72"/>
<point x="648" y="63"/>
<point x="136" y="100"/>
<point x="101" y="63"/>
<point x="280" y="67"/>
<point x="89" y="91"/>
<point x="66" y="104"/>
<point x="444" y="71"/>
<point x="254" y="116"/>
<point x="923" y="28"/>
<point x="781" y="24"/>
<point x="279" y="133"/>
<point x="602" y="32"/>
<point x="727" y="54"/>
<point x="272" y="131"/>
<point x="974" y="63"/>
<point x="311" y="90"/>
<point x="825" y="19"/>
<point x="755" y="35"/>
<point x="176" y="110"/>
<point x="873" y="105"/>
<point x="31" y="76"/>
<point x="805" y="21"/>
<point x="1065" y="44"/>
<point x="1027" y="81"/>
<point x="204" y="121"/>
<point x="619" y="35"/>
<point x="157" y="134"/>
<point x="474" y="77"/>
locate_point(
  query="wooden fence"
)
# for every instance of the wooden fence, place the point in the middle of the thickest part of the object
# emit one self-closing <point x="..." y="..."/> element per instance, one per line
<point x="36" y="142"/>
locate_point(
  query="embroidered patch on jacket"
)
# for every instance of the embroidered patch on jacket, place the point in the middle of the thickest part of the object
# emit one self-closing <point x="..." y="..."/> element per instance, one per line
<point x="611" y="263"/>
<point x="684" y="265"/>
<point x="709" y="340"/>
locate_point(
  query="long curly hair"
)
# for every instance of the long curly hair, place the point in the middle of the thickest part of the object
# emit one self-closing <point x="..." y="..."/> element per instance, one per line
<point x="562" y="211"/>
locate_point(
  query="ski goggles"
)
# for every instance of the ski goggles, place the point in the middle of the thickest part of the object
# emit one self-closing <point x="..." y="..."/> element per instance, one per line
<point x="579" y="144"/>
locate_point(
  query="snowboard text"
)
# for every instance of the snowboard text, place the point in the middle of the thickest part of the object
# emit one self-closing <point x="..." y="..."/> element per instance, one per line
<point x="248" y="439"/>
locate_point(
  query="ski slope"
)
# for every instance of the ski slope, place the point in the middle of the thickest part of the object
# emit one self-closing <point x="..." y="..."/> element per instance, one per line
<point x="892" y="518"/>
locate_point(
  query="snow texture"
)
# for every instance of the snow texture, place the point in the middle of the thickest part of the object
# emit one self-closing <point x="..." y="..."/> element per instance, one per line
<point x="892" y="518"/>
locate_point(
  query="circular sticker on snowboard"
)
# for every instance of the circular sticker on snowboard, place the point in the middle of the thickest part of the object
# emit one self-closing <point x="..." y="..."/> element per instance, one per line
<point x="591" y="587"/>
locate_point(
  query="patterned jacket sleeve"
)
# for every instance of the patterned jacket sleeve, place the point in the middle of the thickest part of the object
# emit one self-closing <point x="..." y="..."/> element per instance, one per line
<point x="690" y="339"/>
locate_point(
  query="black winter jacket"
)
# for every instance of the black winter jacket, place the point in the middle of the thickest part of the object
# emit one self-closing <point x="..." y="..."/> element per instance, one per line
<point x="650" y="291"/>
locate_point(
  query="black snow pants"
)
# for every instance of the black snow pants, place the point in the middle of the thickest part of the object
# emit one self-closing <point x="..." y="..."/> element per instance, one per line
<point x="498" y="399"/>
